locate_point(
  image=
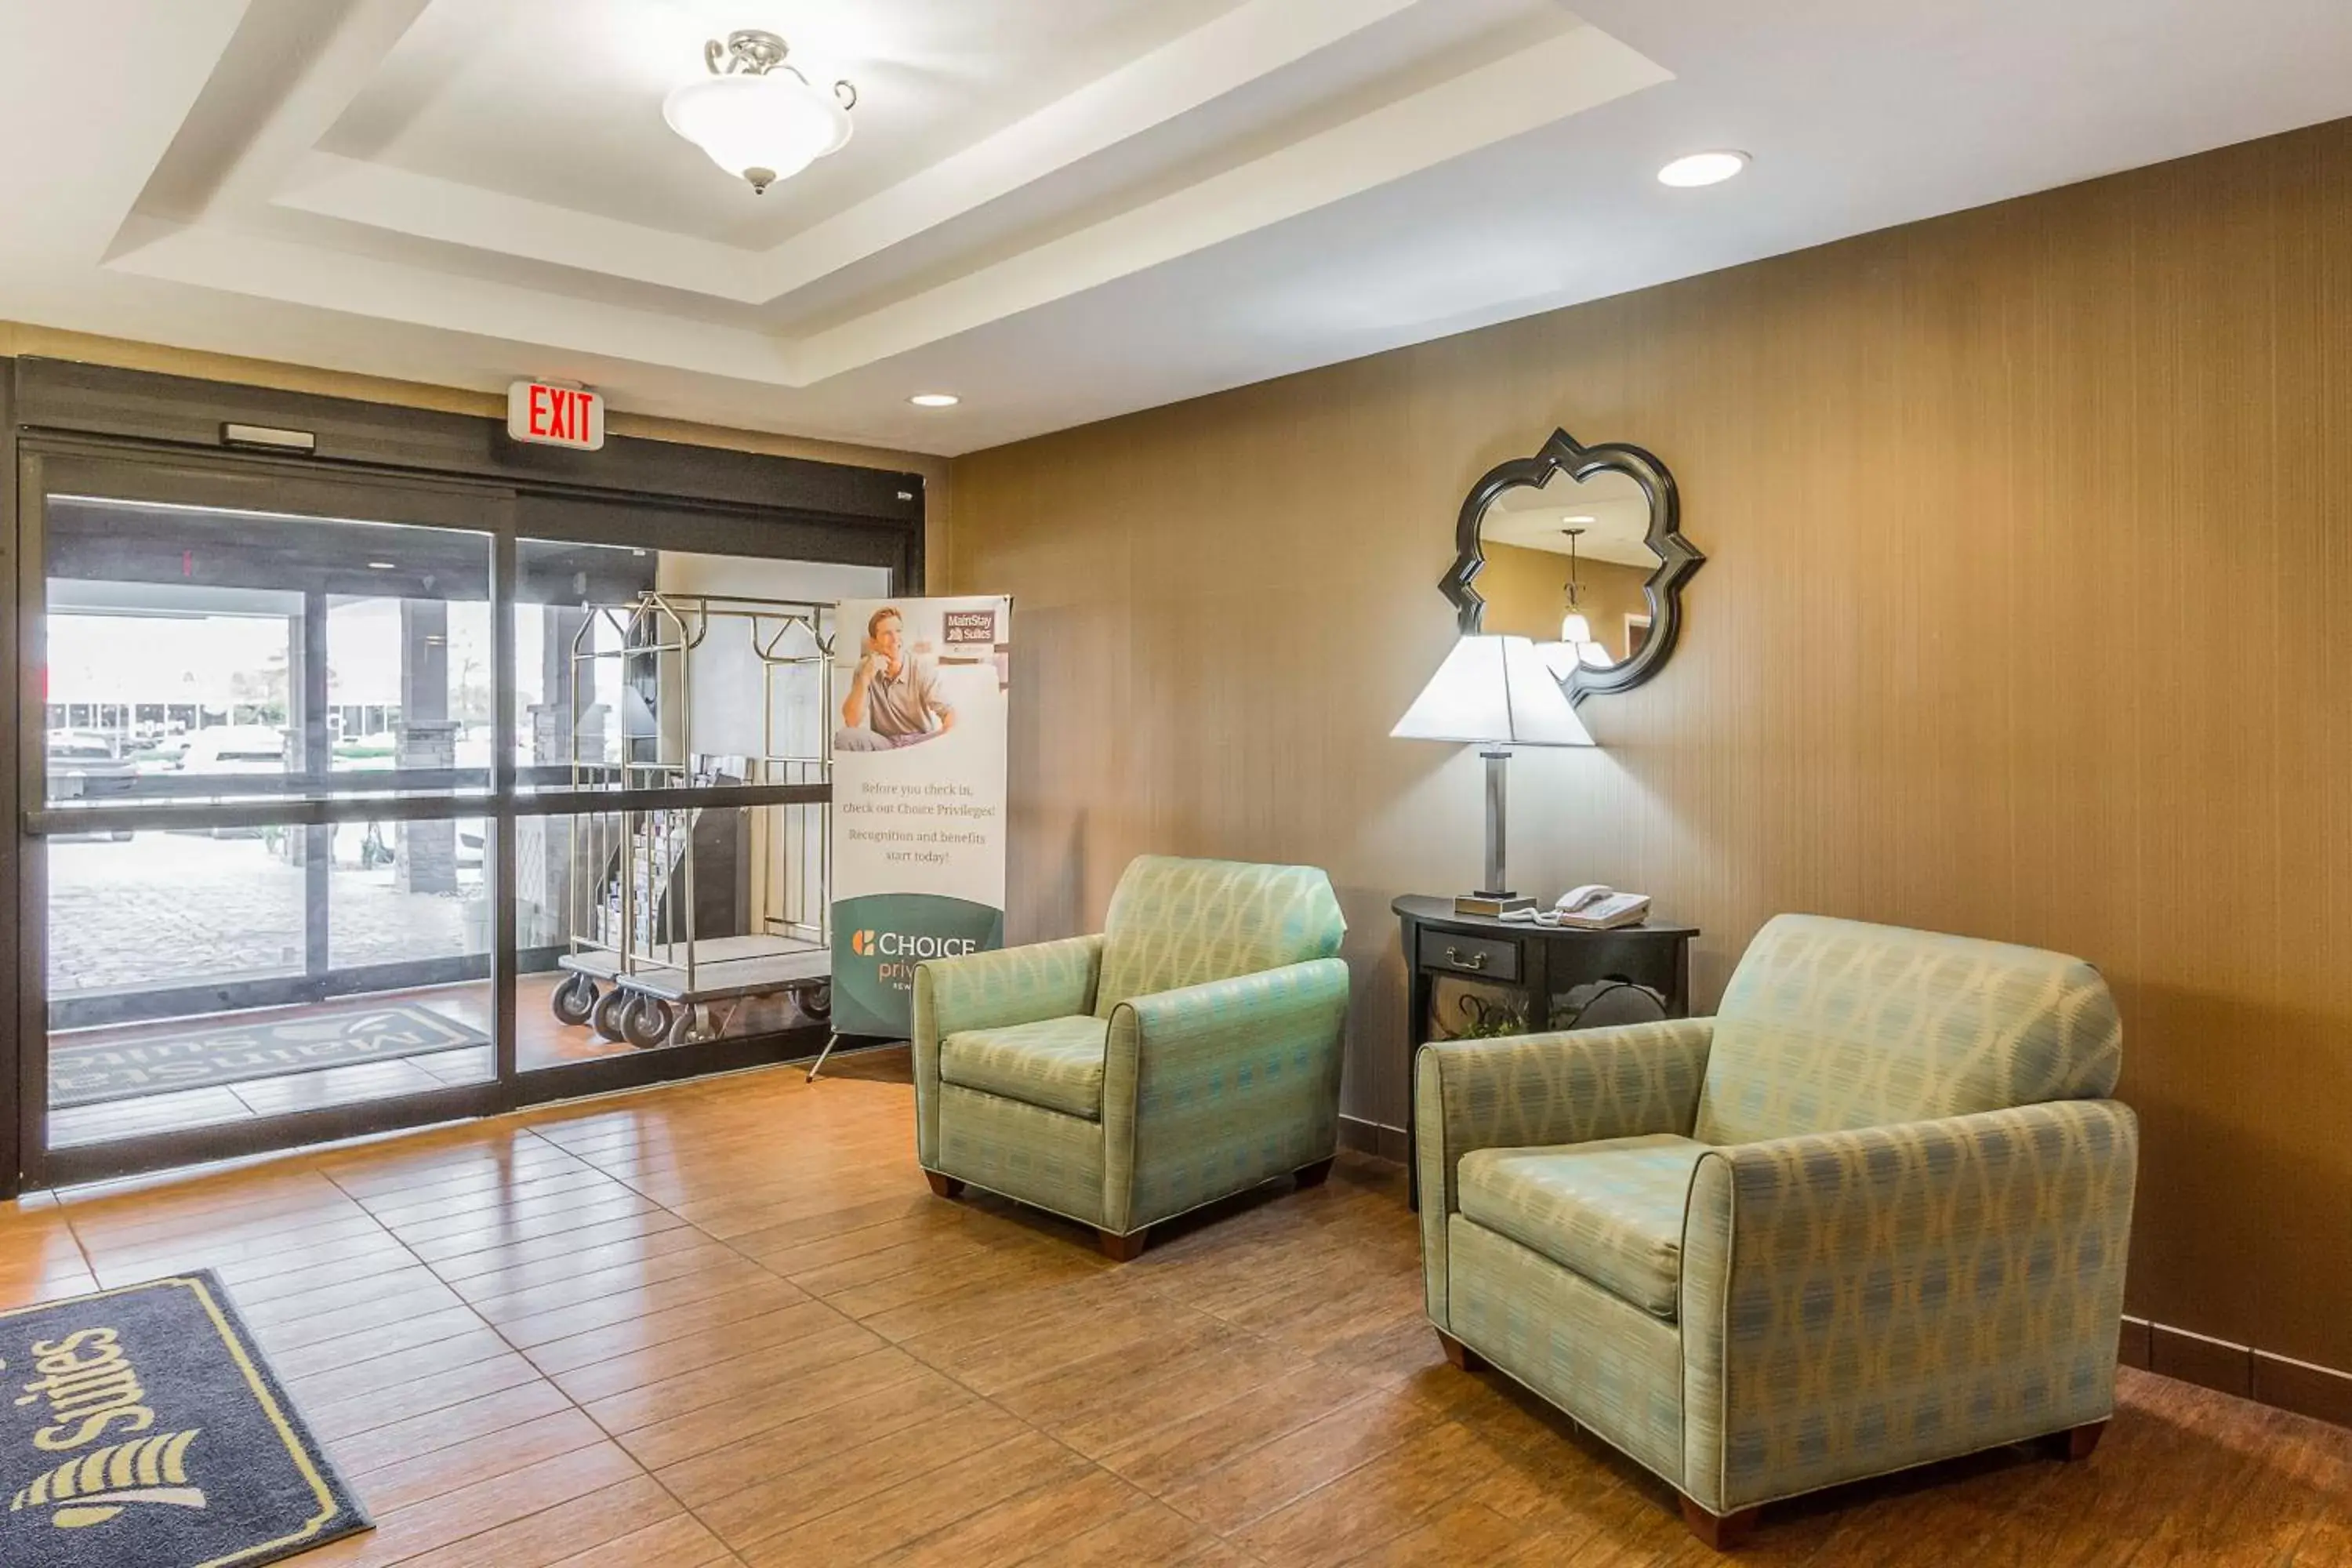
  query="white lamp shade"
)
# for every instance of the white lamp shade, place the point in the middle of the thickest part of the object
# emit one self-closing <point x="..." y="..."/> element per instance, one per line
<point x="1494" y="690"/>
<point x="774" y="124"/>
<point x="1574" y="628"/>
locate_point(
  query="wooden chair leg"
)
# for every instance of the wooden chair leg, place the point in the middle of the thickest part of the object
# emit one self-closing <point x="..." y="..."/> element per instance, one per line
<point x="1460" y="1355"/>
<point x="2076" y="1443"/>
<point x="1121" y="1248"/>
<point x="945" y="1186"/>
<point x="1720" y="1531"/>
<point x="1312" y="1175"/>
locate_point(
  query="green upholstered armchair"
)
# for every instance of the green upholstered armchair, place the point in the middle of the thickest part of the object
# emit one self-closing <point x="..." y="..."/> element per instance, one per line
<point x="1872" y="1213"/>
<point x="1190" y="1051"/>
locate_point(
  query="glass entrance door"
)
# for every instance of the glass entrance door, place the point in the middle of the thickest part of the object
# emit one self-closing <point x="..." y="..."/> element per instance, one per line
<point x="263" y="854"/>
<point x="359" y="805"/>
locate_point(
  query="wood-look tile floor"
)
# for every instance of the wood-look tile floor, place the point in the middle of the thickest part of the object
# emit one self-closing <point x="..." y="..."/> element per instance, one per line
<point x="725" y="1323"/>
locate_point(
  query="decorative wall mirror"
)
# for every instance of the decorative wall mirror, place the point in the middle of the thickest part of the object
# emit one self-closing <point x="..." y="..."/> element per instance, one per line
<point x="1580" y="549"/>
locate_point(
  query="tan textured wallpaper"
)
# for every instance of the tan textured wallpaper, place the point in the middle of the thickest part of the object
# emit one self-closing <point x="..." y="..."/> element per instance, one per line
<point x="2030" y="540"/>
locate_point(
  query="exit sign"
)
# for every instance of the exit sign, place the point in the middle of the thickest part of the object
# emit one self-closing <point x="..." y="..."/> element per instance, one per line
<point x="555" y="416"/>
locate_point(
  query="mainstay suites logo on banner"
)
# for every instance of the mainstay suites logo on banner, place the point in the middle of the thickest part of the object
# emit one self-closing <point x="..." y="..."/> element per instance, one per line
<point x="919" y="782"/>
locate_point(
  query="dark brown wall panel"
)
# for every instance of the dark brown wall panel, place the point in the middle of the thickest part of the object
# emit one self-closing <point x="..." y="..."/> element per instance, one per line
<point x="2029" y="534"/>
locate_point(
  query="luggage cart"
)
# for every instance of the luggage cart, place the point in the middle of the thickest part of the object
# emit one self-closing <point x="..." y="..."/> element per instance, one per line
<point x="659" y="955"/>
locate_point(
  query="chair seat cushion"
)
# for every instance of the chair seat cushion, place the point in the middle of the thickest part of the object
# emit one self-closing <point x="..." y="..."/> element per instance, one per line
<point x="1055" y="1063"/>
<point x="1609" y="1210"/>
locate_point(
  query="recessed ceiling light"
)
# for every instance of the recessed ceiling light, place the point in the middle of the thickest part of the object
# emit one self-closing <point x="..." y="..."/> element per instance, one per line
<point x="380" y="565"/>
<point x="1580" y="517"/>
<point x="1702" y="169"/>
<point x="935" y="400"/>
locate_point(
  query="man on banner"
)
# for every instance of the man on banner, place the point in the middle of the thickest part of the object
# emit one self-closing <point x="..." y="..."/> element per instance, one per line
<point x="918" y="827"/>
<point x="894" y="697"/>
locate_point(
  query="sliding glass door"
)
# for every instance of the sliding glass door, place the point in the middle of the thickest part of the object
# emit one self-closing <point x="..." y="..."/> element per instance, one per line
<point x="262" y="863"/>
<point x="338" y="789"/>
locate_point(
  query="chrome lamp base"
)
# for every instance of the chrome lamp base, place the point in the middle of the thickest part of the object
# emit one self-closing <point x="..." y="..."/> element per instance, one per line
<point x="1494" y="897"/>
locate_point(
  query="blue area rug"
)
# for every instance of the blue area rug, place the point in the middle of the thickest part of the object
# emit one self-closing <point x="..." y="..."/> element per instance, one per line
<point x="145" y="1427"/>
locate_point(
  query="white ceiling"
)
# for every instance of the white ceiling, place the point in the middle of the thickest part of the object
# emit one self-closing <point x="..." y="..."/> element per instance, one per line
<point x="1609" y="508"/>
<point x="1059" y="209"/>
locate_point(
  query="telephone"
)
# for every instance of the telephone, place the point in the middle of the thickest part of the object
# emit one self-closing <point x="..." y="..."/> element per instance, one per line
<point x="1592" y="907"/>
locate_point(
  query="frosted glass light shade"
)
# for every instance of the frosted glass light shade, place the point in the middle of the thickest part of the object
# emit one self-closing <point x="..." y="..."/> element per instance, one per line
<point x="759" y="128"/>
<point x="1493" y="690"/>
<point x="1575" y="628"/>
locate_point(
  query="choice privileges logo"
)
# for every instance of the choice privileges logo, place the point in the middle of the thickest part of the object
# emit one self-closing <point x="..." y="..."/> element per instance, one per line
<point x="880" y="939"/>
<point x="892" y="944"/>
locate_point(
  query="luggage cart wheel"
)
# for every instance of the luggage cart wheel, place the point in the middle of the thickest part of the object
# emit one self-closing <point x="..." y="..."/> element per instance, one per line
<point x="574" y="1000"/>
<point x="686" y="1026"/>
<point x="607" y="1019"/>
<point x="645" y="1023"/>
<point x="816" y="1002"/>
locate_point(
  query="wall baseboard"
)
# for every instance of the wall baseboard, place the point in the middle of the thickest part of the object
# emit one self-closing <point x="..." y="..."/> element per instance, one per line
<point x="1374" y="1138"/>
<point x="2199" y="1358"/>
<point x="2319" y="1392"/>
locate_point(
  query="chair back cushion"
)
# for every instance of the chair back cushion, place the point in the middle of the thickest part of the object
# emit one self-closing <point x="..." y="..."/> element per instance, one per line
<point x="1180" y="923"/>
<point x="1829" y="1025"/>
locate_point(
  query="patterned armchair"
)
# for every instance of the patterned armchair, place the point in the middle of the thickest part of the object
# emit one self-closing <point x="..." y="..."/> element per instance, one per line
<point x="1190" y="1051"/>
<point x="1872" y="1213"/>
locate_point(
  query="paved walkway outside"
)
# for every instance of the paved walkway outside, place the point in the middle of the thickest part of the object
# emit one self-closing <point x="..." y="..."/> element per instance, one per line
<point x="170" y="908"/>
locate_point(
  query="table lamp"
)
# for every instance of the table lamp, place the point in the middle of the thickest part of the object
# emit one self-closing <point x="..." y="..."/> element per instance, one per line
<point x="1494" y="692"/>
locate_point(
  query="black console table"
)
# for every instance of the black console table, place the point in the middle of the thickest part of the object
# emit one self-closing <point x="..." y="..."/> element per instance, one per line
<point x="1539" y="966"/>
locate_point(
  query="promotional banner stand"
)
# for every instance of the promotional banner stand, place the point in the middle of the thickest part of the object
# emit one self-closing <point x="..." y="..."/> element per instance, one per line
<point x="817" y="1065"/>
<point x="919" y="798"/>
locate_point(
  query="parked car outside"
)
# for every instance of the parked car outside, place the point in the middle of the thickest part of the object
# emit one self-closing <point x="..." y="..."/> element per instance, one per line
<point x="84" y="764"/>
<point x="236" y="748"/>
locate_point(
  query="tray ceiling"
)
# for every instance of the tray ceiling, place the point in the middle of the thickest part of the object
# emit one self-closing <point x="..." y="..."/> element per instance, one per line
<point x="1057" y="211"/>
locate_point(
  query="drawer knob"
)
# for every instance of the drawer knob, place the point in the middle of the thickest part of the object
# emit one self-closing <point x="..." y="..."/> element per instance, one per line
<point x="1475" y="961"/>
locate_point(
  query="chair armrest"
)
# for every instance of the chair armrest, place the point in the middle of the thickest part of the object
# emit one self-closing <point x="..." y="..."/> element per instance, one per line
<point x="1570" y="1086"/>
<point x="988" y="991"/>
<point x="1212" y="1088"/>
<point x="1854" y="1303"/>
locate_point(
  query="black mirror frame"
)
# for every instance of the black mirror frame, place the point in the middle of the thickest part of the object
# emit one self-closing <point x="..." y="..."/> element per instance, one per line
<point x="1678" y="558"/>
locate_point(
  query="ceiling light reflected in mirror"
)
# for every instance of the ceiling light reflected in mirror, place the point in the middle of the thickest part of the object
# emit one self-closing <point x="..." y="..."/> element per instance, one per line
<point x="1570" y="578"/>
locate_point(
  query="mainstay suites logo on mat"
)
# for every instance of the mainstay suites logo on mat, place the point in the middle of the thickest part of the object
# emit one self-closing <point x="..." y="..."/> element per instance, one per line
<point x="142" y="1426"/>
<point x="90" y="1388"/>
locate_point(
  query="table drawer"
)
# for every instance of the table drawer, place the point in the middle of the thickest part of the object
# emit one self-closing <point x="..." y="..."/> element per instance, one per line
<point x="1482" y="956"/>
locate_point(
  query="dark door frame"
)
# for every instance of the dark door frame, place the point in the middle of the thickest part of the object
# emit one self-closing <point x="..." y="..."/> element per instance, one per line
<point x="171" y="429"/>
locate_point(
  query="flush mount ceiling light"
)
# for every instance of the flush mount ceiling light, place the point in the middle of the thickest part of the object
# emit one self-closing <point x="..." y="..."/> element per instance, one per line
<point x="935" y="400"/>
<point x="1702" y="169"/>
<point x="755" y="114"/>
